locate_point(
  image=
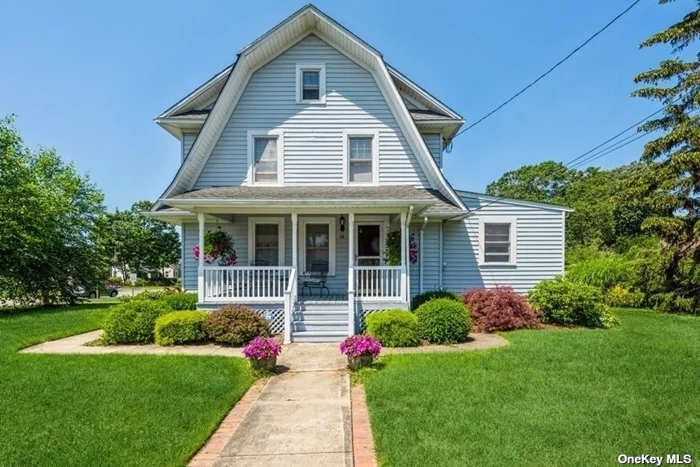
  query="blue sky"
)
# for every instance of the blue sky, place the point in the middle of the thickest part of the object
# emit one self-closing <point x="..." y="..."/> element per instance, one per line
<point x="89" y="77"/>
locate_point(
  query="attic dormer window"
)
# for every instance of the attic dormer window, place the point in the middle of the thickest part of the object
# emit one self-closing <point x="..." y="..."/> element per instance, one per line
<point x="311" y="83"/>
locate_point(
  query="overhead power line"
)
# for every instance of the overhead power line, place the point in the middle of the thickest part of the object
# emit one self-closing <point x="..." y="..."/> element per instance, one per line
<point x="579" y="160"/>
<point x="610" y="23"/>
<point x="607" y="151"/>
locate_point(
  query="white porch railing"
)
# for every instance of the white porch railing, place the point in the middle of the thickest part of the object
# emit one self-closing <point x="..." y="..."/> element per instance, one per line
<point x="246" y="283"/>
<point x="378" y="282"/>
<point x="290" y="297"/>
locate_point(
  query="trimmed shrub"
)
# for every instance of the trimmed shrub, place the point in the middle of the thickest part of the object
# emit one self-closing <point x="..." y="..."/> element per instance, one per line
<point x="571" y="303"/>
<point x="499" y="309"/>
<point x="143" y="296"/>
<point x="181" y="301"/>
<point x="180" y="327"/>
<point x="133" y="322"/>
<point x="603" y="272"/>
<point x="235" y="325"/>
<point x="443" y="321"/>
<point x="623" y="297"/>
<point x="421" y="298"/>
<point x="394" y="328"/>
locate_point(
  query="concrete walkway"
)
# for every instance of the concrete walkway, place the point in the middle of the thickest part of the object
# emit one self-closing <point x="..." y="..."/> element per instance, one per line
<point x="301" y="418"/>
<point x="298" y="357"/>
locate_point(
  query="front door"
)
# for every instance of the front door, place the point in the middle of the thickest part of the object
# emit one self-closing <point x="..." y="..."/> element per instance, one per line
<point x="369" y="251"/>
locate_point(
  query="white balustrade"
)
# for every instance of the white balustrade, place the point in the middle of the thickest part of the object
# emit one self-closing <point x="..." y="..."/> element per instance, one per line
<point x="290" y="294"/>
<point x="246" y="283"/>
<point x="378" y="282"/>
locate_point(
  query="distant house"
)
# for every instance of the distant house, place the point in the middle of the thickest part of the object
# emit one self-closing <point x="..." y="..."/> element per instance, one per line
<point x="169" y="272"/>
<point x="313" y="154"/>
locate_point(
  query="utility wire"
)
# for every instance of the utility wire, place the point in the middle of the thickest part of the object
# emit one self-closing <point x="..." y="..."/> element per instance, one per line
<point x="619" y="134"/>
<point x="608" y="151"/>
<point x="610" y="23"/>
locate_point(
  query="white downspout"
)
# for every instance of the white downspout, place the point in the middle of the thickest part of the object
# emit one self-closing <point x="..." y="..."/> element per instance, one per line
<point x="441" y="264"/>
<point x="420" y="252"/>
<point x="406" y="257"/>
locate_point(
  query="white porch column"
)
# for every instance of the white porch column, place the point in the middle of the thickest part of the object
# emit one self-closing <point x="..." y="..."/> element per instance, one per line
<point x="404" y="244"/>
<point x="351" y="274"/>
<point x="295" y="247"/>
<point x="200" y="267"/>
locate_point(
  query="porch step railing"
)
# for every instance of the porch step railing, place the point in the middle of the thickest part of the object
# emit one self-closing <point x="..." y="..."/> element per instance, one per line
<point x="246" y="283"/>
<point x="290" y="298"/>
<point x="378" y="282"/>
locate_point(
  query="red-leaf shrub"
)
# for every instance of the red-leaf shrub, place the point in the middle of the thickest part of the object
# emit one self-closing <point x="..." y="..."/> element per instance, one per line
<point x="499" y="309"/>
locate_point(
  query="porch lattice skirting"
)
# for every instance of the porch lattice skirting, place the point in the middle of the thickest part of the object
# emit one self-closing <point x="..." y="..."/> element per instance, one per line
<point x="275" y="316"/>
<point x="361" y="316"/>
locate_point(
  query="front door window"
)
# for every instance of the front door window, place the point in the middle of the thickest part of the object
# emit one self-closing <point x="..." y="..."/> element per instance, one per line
<point x="369" y="245"/>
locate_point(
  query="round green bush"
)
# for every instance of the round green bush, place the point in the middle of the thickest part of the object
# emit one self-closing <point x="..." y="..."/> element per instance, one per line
<point x="394" y="328"/>
<point x="443" y="321"/>
<point x="570" y="303"/>
<point x="181" y="301"/>
<point x="180" y="327"/>
<point x="235" y="325"/>
<point x="133" y="322"/>
<point x="421" y="298"/>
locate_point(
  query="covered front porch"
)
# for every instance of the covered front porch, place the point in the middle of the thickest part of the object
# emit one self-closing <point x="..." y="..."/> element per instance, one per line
<point x="317" y="265"/>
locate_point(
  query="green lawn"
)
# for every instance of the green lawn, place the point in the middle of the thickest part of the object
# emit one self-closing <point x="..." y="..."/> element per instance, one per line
<point x="552" y="397"/>
<point x="107" y="410"/>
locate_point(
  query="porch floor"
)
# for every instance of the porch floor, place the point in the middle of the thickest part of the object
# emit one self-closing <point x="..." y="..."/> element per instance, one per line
<point x="329" y="299"/>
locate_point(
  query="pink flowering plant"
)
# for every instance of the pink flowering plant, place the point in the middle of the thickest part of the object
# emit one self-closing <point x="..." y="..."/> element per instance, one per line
<point x="218" y="246"/>
<point x="262" y="347"/>
<point x="360" y="345"/>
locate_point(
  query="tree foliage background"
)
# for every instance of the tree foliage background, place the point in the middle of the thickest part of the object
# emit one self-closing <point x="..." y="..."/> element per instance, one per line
<point x="140" y="244"/>
<point x="55" y="233"/>
<point x="647" y="213"/>
<point x="52" y="224"/>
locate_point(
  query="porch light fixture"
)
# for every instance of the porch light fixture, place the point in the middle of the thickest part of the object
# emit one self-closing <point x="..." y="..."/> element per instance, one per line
<point x="341" y="221"/>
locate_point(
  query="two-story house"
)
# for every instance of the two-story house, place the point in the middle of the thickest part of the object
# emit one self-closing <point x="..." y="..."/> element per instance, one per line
<point x="318" y="158"/>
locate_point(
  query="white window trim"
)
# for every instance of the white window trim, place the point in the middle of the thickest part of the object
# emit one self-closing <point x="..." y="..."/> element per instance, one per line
<point x="252" y="134"/>
<point x="321" y="68"/>
<point x="252" y="222"/>
<point x="374" y="134"/>
<point x="513" y="221"/>
<point x="331" y="242"/>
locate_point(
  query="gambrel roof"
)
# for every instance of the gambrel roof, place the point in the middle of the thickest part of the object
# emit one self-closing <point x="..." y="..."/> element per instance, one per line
<point x="225" y="89"/>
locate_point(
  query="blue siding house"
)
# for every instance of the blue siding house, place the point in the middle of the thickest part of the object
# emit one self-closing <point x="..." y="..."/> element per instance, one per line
<point x="315" y="156"/>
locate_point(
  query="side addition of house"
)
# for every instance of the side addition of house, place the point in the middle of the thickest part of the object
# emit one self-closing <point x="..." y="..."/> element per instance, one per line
<point x="323" y="165"/>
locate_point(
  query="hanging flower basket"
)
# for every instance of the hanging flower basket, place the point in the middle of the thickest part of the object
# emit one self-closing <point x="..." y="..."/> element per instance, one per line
<point x="218" y="248"/>
<point x="392" y="252"/>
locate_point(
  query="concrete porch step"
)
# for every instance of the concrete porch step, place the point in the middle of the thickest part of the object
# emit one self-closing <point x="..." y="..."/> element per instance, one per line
<point x="321" y="326"/>
<point x="329" y="315"/>
<point x="319" y="336"/>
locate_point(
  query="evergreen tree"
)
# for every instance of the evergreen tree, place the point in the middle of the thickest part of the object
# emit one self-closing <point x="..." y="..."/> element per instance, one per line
<point x="674" y="183"/>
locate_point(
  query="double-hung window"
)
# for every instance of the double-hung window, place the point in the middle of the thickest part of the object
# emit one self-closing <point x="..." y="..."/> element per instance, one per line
<point x="266" y="241"/>
<point x="265" y="157"/>
<point x="267" y="246"/>
<point x="498" y="241"/>
<point x="361" y="158"/>
<point x="311" y="83"/>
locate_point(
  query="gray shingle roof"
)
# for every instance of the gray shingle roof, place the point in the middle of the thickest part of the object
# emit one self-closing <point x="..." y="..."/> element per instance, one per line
<point x="417" y="115"/>
<point x="193" y="114"/>
<point x="423" y="115"/>
<point x="401" y="194"/>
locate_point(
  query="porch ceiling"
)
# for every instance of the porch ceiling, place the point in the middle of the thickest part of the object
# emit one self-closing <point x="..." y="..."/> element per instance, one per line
<point x="313" y="196"/>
